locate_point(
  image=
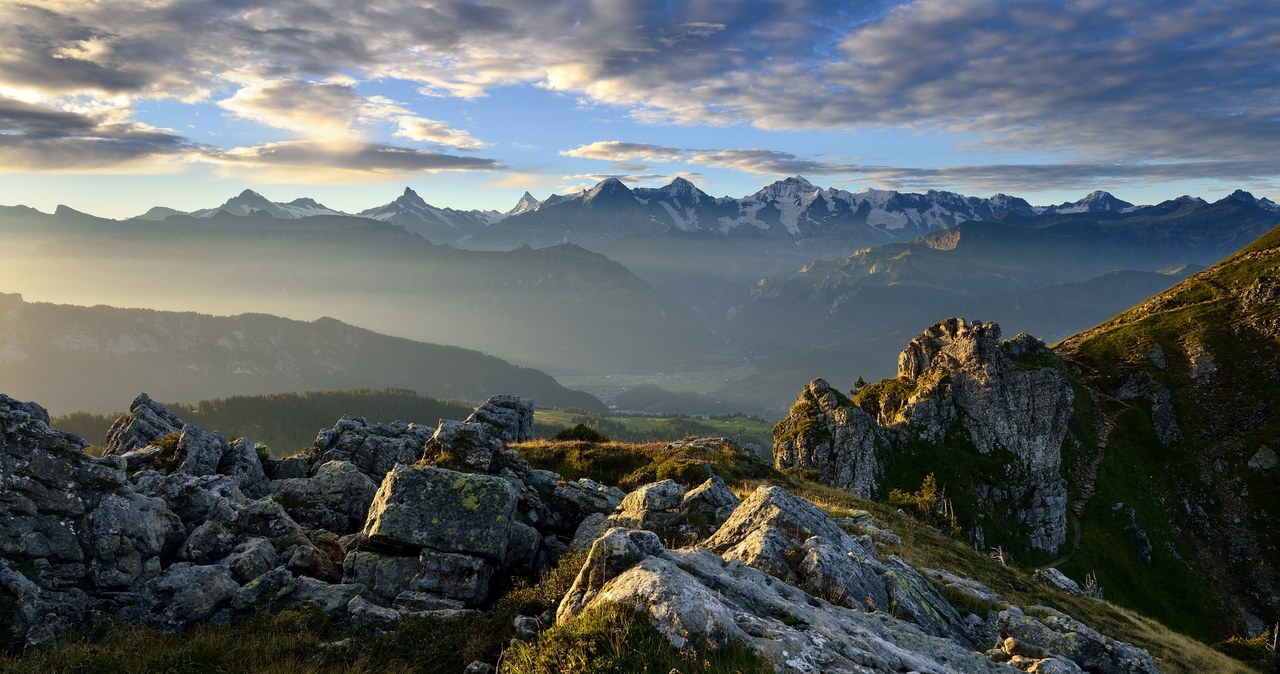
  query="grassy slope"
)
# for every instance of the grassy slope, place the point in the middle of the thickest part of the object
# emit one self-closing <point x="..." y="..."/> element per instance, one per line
<point x="1198" y="500"/>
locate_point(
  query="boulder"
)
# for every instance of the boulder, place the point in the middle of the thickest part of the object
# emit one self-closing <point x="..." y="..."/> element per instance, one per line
<point x="1056" y="579"/>
<point x="443" y="510"/>
<point x="709" y="504"/>
<point x="796" y="542"/>
<point x="453" y="576"/>
<point x="335" y="498"/>
<point x="373" y="448"/>
<point x="250" y="559"/>
<point x="658" y="496"/>
<point x="576" y="500"/>
<point x="387" y="576"/>
<point x="145" y="422"/>
<point x="208" y="543"/>
<point x="199" y="453"/>
<point x="696" y="599"/>
<point x="241" y="461"/>
<point x="189" y="593"/>
<point x="371" y="616"/>
<point x="464" y="446"/>
<point x="508" y="418"/>
<point x="1045" y="632"/>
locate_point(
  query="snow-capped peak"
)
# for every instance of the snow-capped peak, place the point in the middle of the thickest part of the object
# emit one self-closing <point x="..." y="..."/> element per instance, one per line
<point x="527" y="203"/>
<point x="607" y="188"/>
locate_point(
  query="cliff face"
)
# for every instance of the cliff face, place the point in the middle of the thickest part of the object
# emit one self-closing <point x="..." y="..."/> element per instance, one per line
<point x="960" y="387"/>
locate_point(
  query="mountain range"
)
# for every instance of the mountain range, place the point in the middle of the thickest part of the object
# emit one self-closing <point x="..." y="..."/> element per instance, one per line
<point x="664" y="280"/>
<point x="792" y="209"/>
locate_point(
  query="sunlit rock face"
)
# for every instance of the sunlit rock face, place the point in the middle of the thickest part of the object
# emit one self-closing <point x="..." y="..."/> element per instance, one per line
<point x="960" y="388"/>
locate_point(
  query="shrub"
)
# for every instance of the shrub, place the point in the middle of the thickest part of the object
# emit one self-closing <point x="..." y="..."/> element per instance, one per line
<point x="582" y="433"/>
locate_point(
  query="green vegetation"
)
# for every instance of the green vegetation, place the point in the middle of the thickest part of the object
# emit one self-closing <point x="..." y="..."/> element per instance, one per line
<point x="167" y="460"/>
<point x="631" y="465"/>
<point x="657" y="428"/>
<point x="1259" y="650"/>
<point x="287" y="422"/>
<point x="885" y="398"/>
<point x="612" y="639"/>
<point x="1196" y="498"/>
<point x="581" y="433"/>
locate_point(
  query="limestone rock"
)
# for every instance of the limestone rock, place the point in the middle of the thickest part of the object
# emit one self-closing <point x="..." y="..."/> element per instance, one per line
<point x="464" y="446"/>
<point x="146" y="422"/>
<point x="199" y="453"/>
<point x="443" y="510"/>
<point x="824" y="432"/>
<point x="209" y="542"/>
<point x="454" y="576"/>
<point x="591" y="528"/>
<point x="1051" y="632"/>
<point x="955" y="380"/>
<point x="241" y="462"/>
<point x="697" y="599"/>
<point x="188" y="593"/>
<point x="250" y="559"/>
<point x="1264" y="460"/>
<point x="508" y="418"/>
<point x="388" y="576"/>
<point x="190" y="497"/>
<point x="712" y="502"/>
<point x="1057" y="579"/>
<point x="585" y="496"/>
<point x="664" y="495"/>
<point x="371" y="616"/>
<point x="793" y="540"/>
<point x="373" y="448"/>
<point x="335" y="498"/>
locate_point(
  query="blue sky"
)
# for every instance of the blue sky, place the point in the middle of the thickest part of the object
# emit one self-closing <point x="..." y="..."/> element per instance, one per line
<point x="116" y="106"/>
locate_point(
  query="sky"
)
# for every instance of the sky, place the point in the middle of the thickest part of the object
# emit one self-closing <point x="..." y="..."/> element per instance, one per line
<point x="114" y="106"/>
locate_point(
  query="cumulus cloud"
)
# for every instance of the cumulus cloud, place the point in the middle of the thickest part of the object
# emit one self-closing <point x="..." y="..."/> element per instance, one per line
<point x="310" y="109"/>
<point x="432" y="131"/>
<point x="619" y="151"/>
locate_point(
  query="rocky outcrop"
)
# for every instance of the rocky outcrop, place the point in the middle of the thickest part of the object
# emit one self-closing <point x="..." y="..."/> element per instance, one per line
<point x="785" y="580"/>
<point x="958" y="385"/>
<point x="146" y="422"/>
<point x="177" y="526"/>
<point x="697" y="598"/>
<point x="509" y="418"/>
<point x="1042" y="634"/>
<point x="793" y="540"/>
<point x="825" y="432"/>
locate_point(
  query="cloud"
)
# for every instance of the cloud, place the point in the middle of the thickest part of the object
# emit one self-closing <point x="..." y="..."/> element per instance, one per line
<point x="769" y="162"/>
<point x="317" y="110"/>
<point x="34" y="137"/>
<point x="620" y="151"/>
<point x="1065" y="176"/>
<point x="1184" y="84"/>
<point x="354" y="158"/>
<point x="432" y="131"/>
